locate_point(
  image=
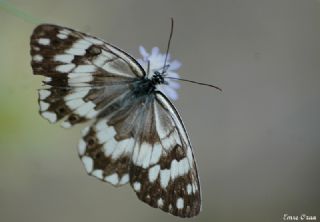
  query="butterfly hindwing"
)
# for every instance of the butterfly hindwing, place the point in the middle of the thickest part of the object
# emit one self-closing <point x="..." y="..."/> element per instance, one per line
<point x="107" y="146"/>
<point x="163" y="170"/>
<point x="103" y="155"/>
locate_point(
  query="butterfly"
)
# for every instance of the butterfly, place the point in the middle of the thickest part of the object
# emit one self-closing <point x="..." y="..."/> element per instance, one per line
<point x="136" y="135"/>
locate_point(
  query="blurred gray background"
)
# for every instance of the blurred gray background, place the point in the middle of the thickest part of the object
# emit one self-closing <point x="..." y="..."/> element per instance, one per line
<point x="257" y="143"/>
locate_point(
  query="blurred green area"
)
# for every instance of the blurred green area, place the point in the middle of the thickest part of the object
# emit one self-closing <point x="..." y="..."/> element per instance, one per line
<point x="257" y="143"/>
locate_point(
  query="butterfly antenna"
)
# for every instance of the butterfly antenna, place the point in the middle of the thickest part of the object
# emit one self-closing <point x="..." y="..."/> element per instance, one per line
<point x="199" y="83"/>
<point x="165" y="66"/>
<point x="168" y="47"/>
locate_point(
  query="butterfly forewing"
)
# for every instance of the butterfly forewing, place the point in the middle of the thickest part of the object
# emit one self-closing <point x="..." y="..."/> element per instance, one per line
<point x="83" y="71"/>
<point x="136" y="137"/>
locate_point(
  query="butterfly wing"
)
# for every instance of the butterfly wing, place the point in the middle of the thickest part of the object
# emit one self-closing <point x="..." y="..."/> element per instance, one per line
<point x="137" y="139"/>
<point x="107" y="145"/>
<point x="163" y="170"/>
<point x="83" y="73"/>
<point x="144" y="142"/>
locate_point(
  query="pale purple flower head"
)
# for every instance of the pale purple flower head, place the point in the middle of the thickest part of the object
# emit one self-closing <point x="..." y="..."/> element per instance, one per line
<point x="156" y="63"/>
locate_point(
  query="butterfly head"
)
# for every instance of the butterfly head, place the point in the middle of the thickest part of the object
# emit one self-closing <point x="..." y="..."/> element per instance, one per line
<point x="158" y="78"/>
<point x="153" y="64"/>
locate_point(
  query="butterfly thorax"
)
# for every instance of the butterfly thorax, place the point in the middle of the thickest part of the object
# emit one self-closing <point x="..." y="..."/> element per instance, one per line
<point x="147" y="86"/>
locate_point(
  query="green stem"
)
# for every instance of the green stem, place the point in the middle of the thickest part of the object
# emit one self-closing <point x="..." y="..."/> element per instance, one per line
<point x="13" y="10"/>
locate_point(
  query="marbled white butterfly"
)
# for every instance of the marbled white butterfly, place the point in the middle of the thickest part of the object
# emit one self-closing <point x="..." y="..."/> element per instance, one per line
<point x="137" y="135"/>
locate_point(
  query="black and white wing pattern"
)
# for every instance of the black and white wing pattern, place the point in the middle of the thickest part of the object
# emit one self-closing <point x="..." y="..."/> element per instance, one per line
<point x="149" y="138"/>
<point x="83" y="73"/>
<point x="163" y="169"/>
<point x="135" y="137"/>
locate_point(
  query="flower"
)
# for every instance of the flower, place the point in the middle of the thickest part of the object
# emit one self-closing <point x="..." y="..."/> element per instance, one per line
<point x="156" y="60"/>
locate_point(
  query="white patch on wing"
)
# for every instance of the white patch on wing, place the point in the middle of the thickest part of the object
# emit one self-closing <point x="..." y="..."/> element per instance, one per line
<point x="189" y="188"/>
<point x="75" y="51"/>
<point x="62" y="36"/>
<point x="65" y="58"/>
<point x="156" y="153"/>
<point x="124" y="179"/>
<point x="88" y="163"/>
<point x="194" y="187"/>
<point x="137" y="186"/>
<point x="74" y="80"/>
<point x="153" y="173"/>
<point x="183" y="166"/>
<point x="81" y="44"/>
<point x="136" y="152"/>
<point x="123" y="147"/>
<point x="47" y="79"/>
<point x="160" y="202"/>
<point x="85" y="131"/>
<point x="180" y="203"/>
<point x="65" y="124"/>
<point x="104" y="132"/>
<point x="164" y="178"/>
<point x="35" y="48"/>
<point x="75" y="103"/>
<point x="98" y="174"/>
<point x="43" y="94"/>
<point x="109" y="147"/>
<point x="169" y="142"/>
<point x="43" y="106"/>
<point x="85" y="68"/>
<point x="91" y="114"/>
<point x="179" y="168"/>
<point x="52" y="117"/>
<point x="65" y="68"/>
<point x="82" y="147"/>
<point x="101" y="125"/>
<point x="143" y="159"/>
<point x="37" y="58"/>
<point x="76" y="94"/>
<point x="85" y="108"/>
<point x="174" y="169"/>
<point x="44" y="41"/>
<point x="113" y="179"/>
